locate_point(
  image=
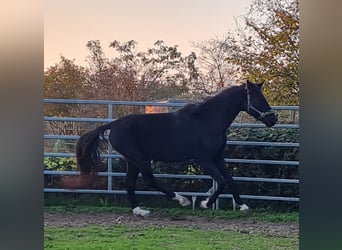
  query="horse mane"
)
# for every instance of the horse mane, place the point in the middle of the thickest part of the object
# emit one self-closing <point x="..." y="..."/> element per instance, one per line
<point x="211" y="101"/>
<point x="220" y="98"/>
<point x="229" y="90"/>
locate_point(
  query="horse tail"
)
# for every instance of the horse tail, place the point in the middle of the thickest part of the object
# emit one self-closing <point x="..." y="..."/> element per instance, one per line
<point x="88" y="150"/>
<point x="88" y="158"/>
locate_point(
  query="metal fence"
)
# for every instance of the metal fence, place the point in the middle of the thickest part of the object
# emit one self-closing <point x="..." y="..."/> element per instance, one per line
<point x="110" y="155"/>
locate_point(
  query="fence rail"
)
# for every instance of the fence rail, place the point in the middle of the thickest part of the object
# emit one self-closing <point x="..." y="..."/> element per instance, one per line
<point x="110" y="155"/>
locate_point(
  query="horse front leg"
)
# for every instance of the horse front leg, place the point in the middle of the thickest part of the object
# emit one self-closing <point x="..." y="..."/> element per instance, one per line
<point x="232" y="186"/>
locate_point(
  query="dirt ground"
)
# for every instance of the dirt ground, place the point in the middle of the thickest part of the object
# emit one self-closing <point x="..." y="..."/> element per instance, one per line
<point x="277" y="229"/>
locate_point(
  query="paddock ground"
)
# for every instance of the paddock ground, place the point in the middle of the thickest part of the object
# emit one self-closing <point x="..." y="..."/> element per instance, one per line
<point x="248" y="226"/>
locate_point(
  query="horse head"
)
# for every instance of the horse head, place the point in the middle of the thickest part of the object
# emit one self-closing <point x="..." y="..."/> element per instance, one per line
<point x="257" y="106"/>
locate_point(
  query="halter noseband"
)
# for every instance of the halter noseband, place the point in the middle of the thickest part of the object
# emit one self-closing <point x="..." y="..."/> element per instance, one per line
<point x="251" y="107"/>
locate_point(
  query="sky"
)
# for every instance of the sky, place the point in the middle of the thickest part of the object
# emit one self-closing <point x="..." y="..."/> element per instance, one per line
<point x="70" y="24"/>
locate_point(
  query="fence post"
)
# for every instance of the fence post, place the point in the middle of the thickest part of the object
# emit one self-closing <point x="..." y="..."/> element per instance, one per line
<point x="109" y="159"/>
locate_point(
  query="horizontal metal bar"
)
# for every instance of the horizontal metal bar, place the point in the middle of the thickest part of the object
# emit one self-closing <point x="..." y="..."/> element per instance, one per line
<point x="295" y="108"/>
<point x="273" y="180"/>
<point x="62" y="137"/>
<point x="180" y="176"/>
<point x="272" y="162"/>
<point x="50" y="154"/>
<point x="140" y="103"/>
<point x="242" y="143"/>
<point x="59" y="155"/>
<point x="105" y="120"/>
<point x="126" y="103"/>
<point x="76" y="119"/>
<point x="263" y="143"/>
<point x="199" y="194"/>
<point x="247" y="161"/>
<point x="262" y="197"/>
<point x="260" y="125"/>
<point x="121" y="174"/>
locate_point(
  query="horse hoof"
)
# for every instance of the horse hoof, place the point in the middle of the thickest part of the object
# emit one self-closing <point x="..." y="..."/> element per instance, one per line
<point x="140" y="212"/>
<point x="204" y="203"/>
<point x="183" y="201"/>
<point x="244" y="208"/>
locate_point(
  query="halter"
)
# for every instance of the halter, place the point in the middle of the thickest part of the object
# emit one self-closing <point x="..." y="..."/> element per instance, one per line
<point x="251" y="107"/>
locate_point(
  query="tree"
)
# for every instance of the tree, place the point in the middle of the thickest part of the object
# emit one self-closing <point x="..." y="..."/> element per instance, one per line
<point x="266" y="47"/>
<point x="212" y="71"/>
<point x="160" y="72"/>
<point x="66" y="80"/>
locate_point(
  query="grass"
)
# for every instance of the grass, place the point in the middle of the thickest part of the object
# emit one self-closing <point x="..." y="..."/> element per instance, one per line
<point x="162" y="237"/>
<point x="152" y="237"/>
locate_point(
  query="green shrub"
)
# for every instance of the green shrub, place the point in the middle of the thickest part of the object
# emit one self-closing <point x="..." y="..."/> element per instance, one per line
<point x="59" y="163"/>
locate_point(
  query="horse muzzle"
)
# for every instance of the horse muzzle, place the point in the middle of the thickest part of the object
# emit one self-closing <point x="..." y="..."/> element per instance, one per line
<point x="269" y="118"/>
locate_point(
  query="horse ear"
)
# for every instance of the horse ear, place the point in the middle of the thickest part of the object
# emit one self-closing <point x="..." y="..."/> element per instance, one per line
<point x="261" y="84"/>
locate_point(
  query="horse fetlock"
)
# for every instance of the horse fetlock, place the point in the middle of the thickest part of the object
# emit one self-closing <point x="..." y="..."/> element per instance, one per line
<point x="140" y="212"/>
<point x="204" y="203"/>
<point x="183" y="201"/>
<point x="244" y="208"/>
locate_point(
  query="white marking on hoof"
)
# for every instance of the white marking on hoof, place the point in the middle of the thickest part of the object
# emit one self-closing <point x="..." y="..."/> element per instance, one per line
<point x="204" y="203"/>
<point x="183" y="201"/>
<point x="140" y="212"/>
<point x="244" y="208"/>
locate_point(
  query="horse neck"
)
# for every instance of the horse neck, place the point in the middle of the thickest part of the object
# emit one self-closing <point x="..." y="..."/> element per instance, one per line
<point x="223" y="108"/>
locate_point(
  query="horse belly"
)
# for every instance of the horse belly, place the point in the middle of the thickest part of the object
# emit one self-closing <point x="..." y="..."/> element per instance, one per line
<point x="170" y="148"/>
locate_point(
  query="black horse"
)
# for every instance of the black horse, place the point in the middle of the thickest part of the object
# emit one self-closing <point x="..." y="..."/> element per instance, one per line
<point x="196" y="131"/>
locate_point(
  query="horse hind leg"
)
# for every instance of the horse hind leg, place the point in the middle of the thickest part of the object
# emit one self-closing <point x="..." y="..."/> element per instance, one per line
<point x="130" y="183"/>
<point x="210" y="168"/>
<point x="183" y="201"/>
<point x="150" y="180"/>
<point x="212" y="198"/>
